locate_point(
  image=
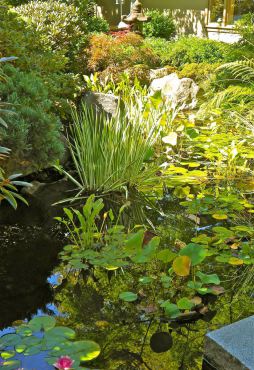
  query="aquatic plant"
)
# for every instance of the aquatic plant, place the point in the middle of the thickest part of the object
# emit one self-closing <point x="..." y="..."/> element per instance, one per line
<point x="110" y="153"/>
<point x="42" y="335"/>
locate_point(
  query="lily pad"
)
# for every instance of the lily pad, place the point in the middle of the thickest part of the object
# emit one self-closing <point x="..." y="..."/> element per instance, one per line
<point x="128" y="296"/>
<point x="42" y="323"/>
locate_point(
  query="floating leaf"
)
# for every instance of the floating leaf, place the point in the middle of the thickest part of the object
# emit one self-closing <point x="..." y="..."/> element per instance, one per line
<point x="235" y="261"/>
<point x="181" y="265"/>
<point x="42" y="323"/>
<point x="128" y="296"/>
<point x="218" y="216"/>
<point x="146" y="280"/>
<point x="9" y="340"/>
<point x="166" y="255"/>
<point x="194" y="285"/>
<point x="185" y="304"/>
<point x="60" y="332"/>
<point x="11" y="365"/>
<point x="217" y="289"/>
<point x="34" y="350"/>
<point x="195" y="252"/>
<point x="85" y="350"/>
<point x="7" y="354"/>
<point x="24" y="330"/>
<point x="208" y="279"/>
<point x="171" y="309"/>
<point x="19" y="348"/>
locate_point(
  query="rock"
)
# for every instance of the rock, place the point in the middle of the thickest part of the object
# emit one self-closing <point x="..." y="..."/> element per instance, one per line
<point x="103" y="102"/>
<point x="41" y="198"/>
<point x="159" y="72"/>
<point x="181" y="93"/>
<point x="32" y="190"/>
<point x="231" y="347"/>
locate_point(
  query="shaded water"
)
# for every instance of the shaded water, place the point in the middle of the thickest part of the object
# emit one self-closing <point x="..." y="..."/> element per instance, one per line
<point x="28" y="256"/>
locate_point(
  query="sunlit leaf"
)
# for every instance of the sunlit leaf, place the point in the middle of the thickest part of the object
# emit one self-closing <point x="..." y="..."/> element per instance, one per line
<point x="181" y="265"/>
<point x="235" y="261"/>
<point x="170" y="139"/>
<point x="11" y="365"/>
<point x="7" y="354"/>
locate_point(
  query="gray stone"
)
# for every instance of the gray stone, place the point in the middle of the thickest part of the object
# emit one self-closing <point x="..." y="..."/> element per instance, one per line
<point x="103" y="102"/>
<point x="232" y="347"/>
<point x="181" y="93"/>
<point x="158" y="73"/>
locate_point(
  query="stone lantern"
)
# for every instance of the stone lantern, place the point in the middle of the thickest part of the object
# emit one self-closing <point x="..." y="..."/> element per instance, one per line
<point x="136" y="18"/>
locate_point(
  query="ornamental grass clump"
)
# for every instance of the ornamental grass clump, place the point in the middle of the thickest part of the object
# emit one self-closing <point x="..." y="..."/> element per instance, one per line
<point x="110" y="153"/>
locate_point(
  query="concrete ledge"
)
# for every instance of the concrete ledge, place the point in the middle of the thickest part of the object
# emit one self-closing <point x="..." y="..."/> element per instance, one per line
<point x="231" y="347"/>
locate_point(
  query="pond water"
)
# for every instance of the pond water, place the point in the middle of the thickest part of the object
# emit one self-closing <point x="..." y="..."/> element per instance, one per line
<point x="30" y="283"/>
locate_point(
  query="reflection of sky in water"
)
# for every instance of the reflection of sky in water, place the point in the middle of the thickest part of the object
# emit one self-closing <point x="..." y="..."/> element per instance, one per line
<point x="37" y="362"/>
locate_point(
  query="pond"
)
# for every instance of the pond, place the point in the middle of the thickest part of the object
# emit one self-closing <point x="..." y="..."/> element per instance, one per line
<point x="33" y="283"/>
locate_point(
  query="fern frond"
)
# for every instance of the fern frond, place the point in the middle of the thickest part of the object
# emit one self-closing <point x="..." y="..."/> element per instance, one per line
<point x="241" y="69"/>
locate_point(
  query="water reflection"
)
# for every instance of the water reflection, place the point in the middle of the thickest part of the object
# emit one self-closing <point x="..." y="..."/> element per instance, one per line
<point x="27" y="256"/>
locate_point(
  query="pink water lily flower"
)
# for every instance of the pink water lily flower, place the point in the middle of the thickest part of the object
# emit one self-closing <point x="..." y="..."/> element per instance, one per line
<point x="64" y="363"/>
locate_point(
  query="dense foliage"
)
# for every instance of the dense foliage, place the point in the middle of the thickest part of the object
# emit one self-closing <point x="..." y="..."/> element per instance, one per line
<point x="33" y="131"/>
<point x="160" y="25"/>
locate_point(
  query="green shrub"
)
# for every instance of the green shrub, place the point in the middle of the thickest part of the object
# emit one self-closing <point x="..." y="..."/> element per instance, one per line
<point x="245" y="27"/>
<point x="198" y="71"/>
<point x="160" y="25"/>
<point x="33" y="131"/>
<point x="196" y="50"/>
<point x="86" y="11"/>
<point x="27" y="44"/>
<point x="160" y="47"/>
<point x="58" y="24"/>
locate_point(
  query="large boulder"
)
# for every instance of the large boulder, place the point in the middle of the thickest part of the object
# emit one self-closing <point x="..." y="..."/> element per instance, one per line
<point x="180" y="92"/>
<point x="161" y="72"/>
<point x="103" y="102"/>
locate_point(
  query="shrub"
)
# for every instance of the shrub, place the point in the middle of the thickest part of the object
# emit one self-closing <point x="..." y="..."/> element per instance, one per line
<point x="160" y="47"/>
<point x="86" y="11"/>
<point x="33" y="131"/>
<point x="198" y="71"/>
<point x="27" y="44"/>
<point x="122" y="51"/>
<point x="196" y="50"/>
<point x="160" y="25"/>
<point x="245" y="27"/>
<point x="58" y="24"/>
<point x="189" y="50"/>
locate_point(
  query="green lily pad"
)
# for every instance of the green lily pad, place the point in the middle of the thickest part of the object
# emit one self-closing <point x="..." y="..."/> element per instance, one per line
<point x="42" y="323"/>
<point x="7" y="354"/>
<point x="128" y="296"/>
<point x="208" y="279"/>
<point x="185" y="304"/>
<point x="60" y="332"/>
<point x="11" y="365"/>
<point x="9" y="340"/>
<point x="20" y="348"/>
<point x="195" y="252"/>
